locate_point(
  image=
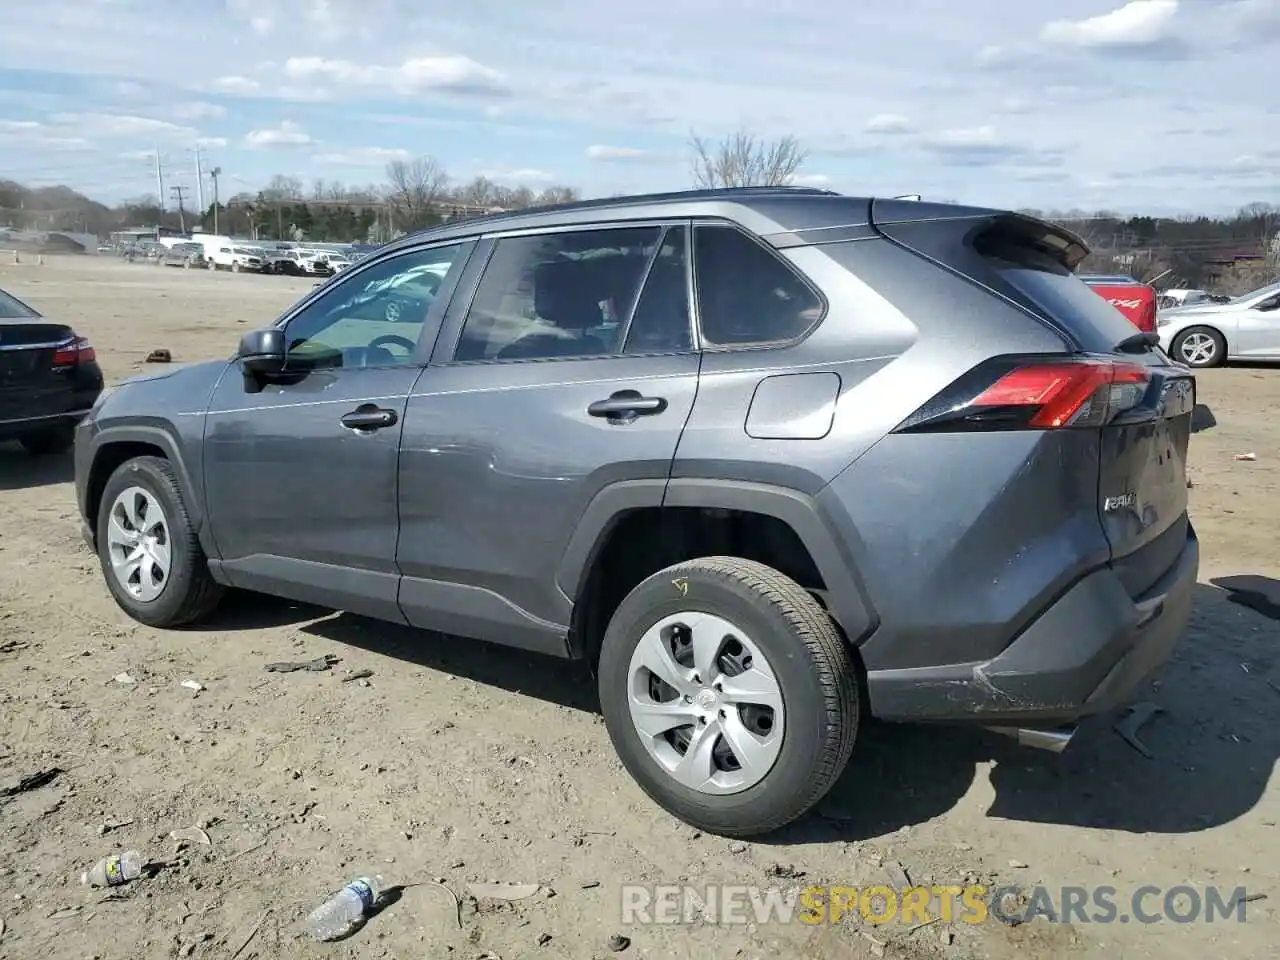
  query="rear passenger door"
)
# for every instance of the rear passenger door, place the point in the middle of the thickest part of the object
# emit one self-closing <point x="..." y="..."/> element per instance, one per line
<point x="567" y="363"/>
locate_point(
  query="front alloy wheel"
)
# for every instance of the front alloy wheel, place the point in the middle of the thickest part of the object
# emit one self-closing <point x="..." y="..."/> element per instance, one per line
<point x="138" y="544"/>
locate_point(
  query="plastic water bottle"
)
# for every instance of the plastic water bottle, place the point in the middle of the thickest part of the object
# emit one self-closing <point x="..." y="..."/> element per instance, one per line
<point x="345" y="909"/>
<point x="115" y="870"/>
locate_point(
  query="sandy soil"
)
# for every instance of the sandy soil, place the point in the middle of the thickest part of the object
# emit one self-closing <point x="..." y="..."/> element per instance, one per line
<point x="465" y="762"/>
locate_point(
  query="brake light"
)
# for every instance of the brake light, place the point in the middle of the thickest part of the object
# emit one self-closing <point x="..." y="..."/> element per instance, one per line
<point x="1035" y="394"/>
<point x="75" y="351"/>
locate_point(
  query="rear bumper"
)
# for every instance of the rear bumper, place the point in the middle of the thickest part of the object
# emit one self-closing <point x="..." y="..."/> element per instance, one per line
<point x="1084" y="655"/>
<point x="17" y="427"/>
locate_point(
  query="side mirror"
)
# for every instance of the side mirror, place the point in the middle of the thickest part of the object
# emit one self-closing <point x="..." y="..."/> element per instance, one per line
<point x="262" y="352"/>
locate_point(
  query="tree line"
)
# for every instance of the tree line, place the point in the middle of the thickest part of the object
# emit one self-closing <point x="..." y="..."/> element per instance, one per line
<point x="1225" y="251"/>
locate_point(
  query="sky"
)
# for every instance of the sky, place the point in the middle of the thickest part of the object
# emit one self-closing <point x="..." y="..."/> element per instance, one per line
<point x="1151" y="106"/>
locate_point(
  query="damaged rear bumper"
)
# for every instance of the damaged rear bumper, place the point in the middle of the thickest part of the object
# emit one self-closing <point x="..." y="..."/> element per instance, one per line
<point x="1084" y="655"/>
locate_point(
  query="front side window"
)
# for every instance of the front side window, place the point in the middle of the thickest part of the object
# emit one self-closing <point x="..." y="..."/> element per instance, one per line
<point x="557" y="295"/>
<point x="746" y="294"/>
<point x="373" y="318"/>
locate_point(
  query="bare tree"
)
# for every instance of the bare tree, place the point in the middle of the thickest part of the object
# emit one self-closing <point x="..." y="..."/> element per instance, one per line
<point x="480" y="192"/>
<point x="743" y="160"/>
<point x="415" y="189"/>
<point x="556" y="195"/>
<point x="282" y="187"/>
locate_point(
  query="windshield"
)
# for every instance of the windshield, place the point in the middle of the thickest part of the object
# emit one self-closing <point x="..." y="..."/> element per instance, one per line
<point x="1255" y="294"/>
<point x="12" y="308"/>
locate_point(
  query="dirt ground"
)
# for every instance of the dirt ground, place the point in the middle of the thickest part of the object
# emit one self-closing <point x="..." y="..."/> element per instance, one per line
<point x="464" y="762"/>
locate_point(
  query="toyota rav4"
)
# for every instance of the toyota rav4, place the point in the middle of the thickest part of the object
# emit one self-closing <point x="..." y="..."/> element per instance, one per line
<point x="771" y="461"/>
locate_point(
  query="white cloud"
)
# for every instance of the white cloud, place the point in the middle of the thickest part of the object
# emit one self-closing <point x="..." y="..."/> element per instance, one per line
<point x="236" y="84"/>
<point x="523" y="176"/>
<point x="287" y="134"/>
<point x="197" y="110"/>
<point x="602" y="153"/>
<point x="455" y="74"/>
<point x="1137" y="23"/>
<point x="119" y="125"/>
<point x="889" y="123"/>
<point x="362" y="157"/>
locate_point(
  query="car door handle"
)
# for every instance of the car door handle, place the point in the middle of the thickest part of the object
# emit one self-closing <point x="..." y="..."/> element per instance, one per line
<point x="627" y="405"/>
<point x="369" y="417"/>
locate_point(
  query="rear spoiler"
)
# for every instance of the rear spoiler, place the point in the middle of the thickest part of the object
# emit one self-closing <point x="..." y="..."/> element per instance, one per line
<point x="1021" y="231"/>
<point x="989" y="231"/>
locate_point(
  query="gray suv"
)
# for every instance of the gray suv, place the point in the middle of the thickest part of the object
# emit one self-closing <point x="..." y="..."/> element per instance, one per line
<point x="771" y="461"/>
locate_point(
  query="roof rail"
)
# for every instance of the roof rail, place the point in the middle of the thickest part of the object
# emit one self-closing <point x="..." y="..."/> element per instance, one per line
<point x="715" y="193"/>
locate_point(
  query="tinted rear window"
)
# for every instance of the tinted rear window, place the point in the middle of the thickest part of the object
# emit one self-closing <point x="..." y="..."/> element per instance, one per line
<point x="1070" y="301"/>
<point x="11" y="308"/>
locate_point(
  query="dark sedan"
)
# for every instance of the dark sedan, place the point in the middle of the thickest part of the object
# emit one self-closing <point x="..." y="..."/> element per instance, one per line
<point x="49" y="378"/>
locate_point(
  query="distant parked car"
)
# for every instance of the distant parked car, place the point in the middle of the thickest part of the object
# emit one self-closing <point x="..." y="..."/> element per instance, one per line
<point x="185" y="255"/>
<point x="1135" y="299"/>
<point x="234" y="259"/>
<point x="1170" y="299"/>
<point x="49" y="378"/>
<point x="1209" y="334"/>
<point x="284" y="262"/>
<point x="317" y="263"/>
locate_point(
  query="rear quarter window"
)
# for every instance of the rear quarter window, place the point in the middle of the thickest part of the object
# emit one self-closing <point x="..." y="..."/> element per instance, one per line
<point x="12" y="308"/>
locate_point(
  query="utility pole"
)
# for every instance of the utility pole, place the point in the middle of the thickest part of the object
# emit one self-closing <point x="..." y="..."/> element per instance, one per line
<point x="182" y="216"/>
<point x="213" y="176"/>
<point x="199" y="182"/>
<point x="159" y="183"/>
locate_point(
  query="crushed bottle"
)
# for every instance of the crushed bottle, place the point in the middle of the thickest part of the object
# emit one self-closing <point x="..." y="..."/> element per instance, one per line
<point x="345" y="910"/>
<point x="115" y="870"/>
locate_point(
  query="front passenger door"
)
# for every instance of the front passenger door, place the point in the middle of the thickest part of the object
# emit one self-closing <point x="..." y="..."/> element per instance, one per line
<point x="1258" y="334"/>
<point x="301" y="476"/>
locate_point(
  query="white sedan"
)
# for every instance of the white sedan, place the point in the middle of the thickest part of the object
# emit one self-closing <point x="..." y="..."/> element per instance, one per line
<point x="1209" y="334"/>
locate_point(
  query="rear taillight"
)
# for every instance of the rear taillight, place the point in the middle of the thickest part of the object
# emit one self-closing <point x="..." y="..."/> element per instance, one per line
<point x="73" y="352"/>
<point x="1011" y="393"/>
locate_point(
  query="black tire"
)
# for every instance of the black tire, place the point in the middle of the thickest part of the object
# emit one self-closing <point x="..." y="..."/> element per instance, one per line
<point x="49" y="441"/>
<point x="190" y="593"/>
<point x="1219" y="353"/>
<point x="814" y="667"/>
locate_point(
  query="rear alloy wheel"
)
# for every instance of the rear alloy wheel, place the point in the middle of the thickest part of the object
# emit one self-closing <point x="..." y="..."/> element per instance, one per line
<point x="50" y="440"/>
<point x="1200" y="347"/>
<point x="150" y="554"/>
<point x="729" y="694"/>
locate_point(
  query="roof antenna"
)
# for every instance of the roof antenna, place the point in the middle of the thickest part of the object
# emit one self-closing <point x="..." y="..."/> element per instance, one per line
<point x="909" y="196"/>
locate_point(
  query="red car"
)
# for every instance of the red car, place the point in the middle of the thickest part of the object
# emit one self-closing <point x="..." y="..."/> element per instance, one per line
<point x="1136" y="300"/>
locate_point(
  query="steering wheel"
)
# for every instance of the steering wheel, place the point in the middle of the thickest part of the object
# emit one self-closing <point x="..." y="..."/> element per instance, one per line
<point x="391" y="339"/>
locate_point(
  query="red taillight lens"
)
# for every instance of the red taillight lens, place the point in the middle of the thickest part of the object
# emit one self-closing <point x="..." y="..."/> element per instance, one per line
<point x="1081" y="393"/>
<point x="74" y="352"/>
<point x="1035" y="394"/>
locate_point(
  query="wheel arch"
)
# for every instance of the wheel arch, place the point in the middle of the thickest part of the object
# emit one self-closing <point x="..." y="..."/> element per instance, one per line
<point x="801" y="515"/>
<point x="114" y="446"/>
